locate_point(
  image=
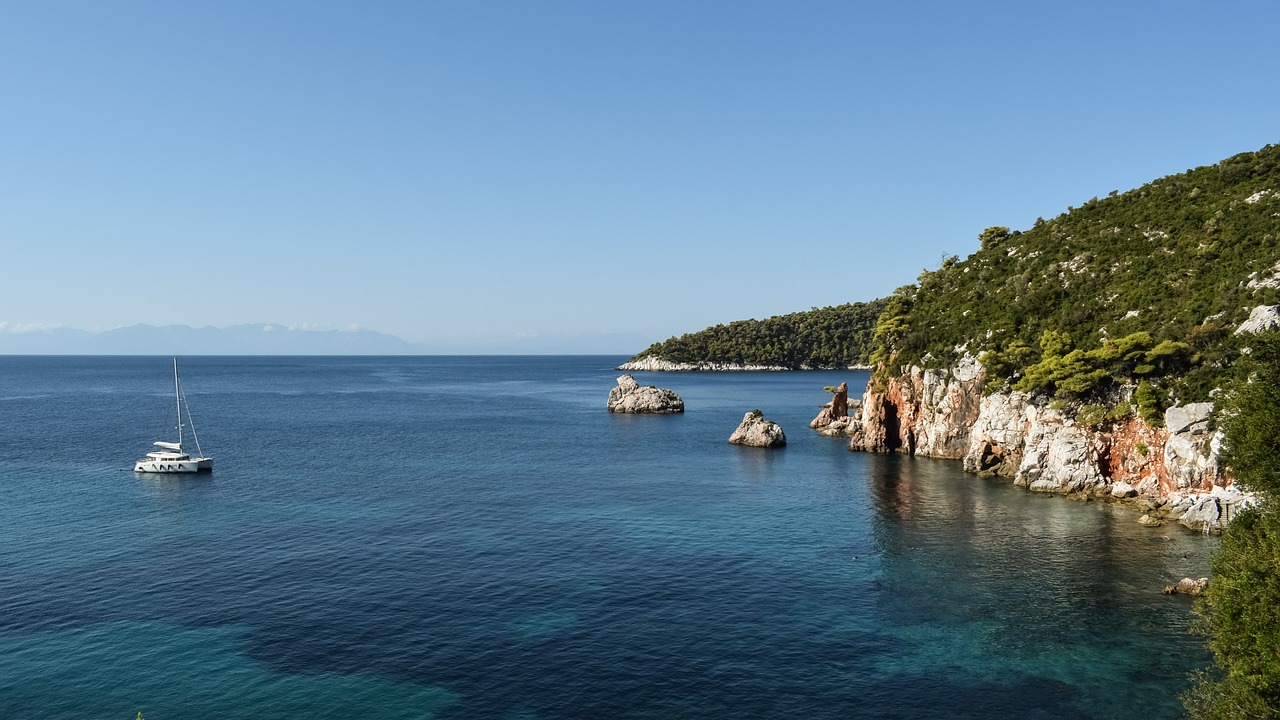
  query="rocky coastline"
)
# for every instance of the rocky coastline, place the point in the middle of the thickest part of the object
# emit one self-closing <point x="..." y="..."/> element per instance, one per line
<point x="1173" y="472"/>
<point x="651" y="363"/>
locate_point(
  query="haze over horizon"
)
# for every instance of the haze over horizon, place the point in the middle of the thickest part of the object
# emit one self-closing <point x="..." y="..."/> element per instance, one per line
<point x="273" y="339"/>
<point x="504" y="171"/>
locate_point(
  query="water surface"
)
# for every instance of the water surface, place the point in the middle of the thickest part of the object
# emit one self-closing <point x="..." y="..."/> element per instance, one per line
<point x="477" y="538"/>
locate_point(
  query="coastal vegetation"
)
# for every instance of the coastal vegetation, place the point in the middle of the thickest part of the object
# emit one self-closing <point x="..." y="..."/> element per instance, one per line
<point x="1237" y="612"/>
<point x="829" y="337"/>
<point x="1132" y="296"/>
<point x="1129" y="298"/>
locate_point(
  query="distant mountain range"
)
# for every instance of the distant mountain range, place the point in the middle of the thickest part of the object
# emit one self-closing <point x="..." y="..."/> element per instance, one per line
<point x="271" y="339"/>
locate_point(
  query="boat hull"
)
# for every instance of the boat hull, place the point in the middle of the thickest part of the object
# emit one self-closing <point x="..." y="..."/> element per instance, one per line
<point x="193" y="465"/>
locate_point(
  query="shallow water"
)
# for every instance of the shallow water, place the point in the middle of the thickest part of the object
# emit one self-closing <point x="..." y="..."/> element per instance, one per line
<point x="478" y="538"/>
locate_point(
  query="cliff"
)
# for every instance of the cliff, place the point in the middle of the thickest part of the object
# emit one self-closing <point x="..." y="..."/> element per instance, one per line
<point x="1082" y="355"/>
<point x="1175" y="471"/>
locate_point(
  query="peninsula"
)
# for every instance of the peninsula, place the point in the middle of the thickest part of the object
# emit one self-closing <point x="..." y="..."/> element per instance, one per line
<point x="1080" y="356"/>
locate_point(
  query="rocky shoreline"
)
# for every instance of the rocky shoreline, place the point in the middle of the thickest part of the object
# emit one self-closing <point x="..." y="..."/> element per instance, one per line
<point x="657" y="364"/>
<point x="1173" y="472"/>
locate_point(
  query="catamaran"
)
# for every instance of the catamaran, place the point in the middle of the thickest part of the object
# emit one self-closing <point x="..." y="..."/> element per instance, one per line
<point x="172" y="459"/>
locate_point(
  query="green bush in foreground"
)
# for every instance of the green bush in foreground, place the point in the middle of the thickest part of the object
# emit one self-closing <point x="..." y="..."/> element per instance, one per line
<point x="1238" y="612"/>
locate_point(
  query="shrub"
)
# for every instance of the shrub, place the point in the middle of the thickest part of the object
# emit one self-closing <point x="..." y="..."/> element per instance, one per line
<point x="1237" y="614"/>
<point x="1151" y="403"/>
<point x="1091" y="415"/>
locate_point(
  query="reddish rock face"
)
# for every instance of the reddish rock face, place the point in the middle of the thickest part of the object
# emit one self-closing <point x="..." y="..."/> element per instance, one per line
<point x="840" y="403"/>
<point x="921" y="411"/>
<point x="1135" y="455"/>
<point x="834" y="417"/>
<point x="943" y="413"/>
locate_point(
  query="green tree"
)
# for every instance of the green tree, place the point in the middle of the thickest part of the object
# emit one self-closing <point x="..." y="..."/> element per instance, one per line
<point x="1238" y="614"/>
<point x="1238" y="610"/>
<point x="820" y="337"/>
<point x="1251" y="417"/>
<point x="993" y="236"/>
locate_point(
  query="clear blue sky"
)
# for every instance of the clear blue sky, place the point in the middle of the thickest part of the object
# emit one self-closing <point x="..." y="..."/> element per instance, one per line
<point x="452" y="170"/>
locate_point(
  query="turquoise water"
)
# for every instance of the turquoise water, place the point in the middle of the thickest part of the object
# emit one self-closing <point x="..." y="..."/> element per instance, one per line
<point x="478" y="538"/>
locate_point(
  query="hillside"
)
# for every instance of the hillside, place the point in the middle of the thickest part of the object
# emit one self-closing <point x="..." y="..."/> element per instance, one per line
<point x="830" y="337"/>
<point x="1146" y="285"/>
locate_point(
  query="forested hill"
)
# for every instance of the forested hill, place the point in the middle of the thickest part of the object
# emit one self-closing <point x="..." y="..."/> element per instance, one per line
<point x="830" y="337"/>
<point x="1143" y="288"/>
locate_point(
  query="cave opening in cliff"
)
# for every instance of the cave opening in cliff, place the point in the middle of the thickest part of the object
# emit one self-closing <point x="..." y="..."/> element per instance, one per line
<point x="892" y="428"/>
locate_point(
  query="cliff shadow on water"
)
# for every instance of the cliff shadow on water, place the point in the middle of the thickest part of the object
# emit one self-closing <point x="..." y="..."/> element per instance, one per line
<point x="981" y="580"/>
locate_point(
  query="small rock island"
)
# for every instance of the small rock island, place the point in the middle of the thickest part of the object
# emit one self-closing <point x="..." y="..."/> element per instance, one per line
<point x="629" y="397"/>
<point x="756" y="431"/>
<point x="835" y="418"/>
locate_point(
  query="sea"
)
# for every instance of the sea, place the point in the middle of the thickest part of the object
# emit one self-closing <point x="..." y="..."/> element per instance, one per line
<point x="476" y="537"/>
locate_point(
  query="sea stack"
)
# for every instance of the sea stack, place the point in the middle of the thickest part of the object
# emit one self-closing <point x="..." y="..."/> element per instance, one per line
<point x="755" y="431"/>
<point x="630" y="397"/>
<point x="835" y="418"/>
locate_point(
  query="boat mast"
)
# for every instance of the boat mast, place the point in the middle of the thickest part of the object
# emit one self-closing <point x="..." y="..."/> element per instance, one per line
<point x="177" y="396"/>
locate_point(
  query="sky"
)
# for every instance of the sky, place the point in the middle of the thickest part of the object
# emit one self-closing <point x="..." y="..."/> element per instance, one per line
<point x="575" y="173"/>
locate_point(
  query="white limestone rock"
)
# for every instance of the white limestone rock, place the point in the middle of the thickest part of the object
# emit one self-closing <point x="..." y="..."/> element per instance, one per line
<point x="949" y="404"/>
<point x="1177" y="469"/>
<point x="1059" y="457"/>
<point x="1261" y="319"/>
<point x="1123" y="490"/>
<point x="996" y="440"/>
<point x="630" y="397"/>
<point x="1211" y="511"/>
<point x="651" y="363"/>
<point x="1205" y="514"/>
<point x="1191" y="418"/>
<point x="756" y="431"/>
<point x="1193" y="453"/>
<point x="1187" y="586"/>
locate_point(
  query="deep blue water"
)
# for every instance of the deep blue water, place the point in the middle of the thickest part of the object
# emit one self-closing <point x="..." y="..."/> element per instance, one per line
<point x="477" y="538"/>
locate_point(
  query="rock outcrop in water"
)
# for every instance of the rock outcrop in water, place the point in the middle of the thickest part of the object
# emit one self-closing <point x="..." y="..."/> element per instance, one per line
<point x="1176" y="470"/>
<point x="1187" y="586"/>
<point x="630" y="397"/>
<point x="834" y="418"/>
<point x="756" y="431"/>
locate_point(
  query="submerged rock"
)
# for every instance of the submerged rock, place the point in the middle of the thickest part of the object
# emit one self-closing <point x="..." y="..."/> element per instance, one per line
<point x="630" y="397"/>
<point x="758" y="432"/>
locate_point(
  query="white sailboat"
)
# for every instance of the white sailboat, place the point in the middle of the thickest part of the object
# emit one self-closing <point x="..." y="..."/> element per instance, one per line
<point x="172" y="459"/>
